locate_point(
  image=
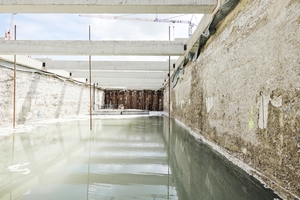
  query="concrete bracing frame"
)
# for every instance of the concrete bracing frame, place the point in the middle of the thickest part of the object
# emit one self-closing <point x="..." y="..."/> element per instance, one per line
<point x="130" y="75"/>
<point x="106" y="48"/>
<point x="113" y="74"/>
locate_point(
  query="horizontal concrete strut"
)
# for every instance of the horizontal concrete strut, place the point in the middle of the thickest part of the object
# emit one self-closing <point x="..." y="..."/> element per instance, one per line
<point x="129" y="83"/>
<point x="133" y="86"/>
<point x="103" y="81"/>
<point x="108" y="65"/>
<point x="82" y="47"/>
<point x="108" y="6"/>
<point x="118" y="74"/>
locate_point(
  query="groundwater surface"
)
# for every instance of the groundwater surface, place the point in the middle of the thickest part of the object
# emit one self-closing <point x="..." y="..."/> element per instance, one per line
<point x="128" y="158"/>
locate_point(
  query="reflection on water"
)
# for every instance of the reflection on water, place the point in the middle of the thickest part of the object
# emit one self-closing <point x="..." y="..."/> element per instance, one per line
<point x="119" y="159"/>
<point x="201" y="173"/>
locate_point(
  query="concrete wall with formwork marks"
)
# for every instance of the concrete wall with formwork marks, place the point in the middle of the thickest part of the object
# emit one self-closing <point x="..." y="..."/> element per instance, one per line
<point x="243" y="91"/>
<point x="41" y="96"/>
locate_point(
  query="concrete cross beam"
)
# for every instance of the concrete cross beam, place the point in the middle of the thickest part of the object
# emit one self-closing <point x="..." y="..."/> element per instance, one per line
<point x="132" y="86"/>
<point x="108" y="6"/>
<point x="134" y="83"/>
<point x="108" y="65"/>
<point x="124" y="83"/>
<point x="121" y="74"/>
<point x="82" y="47"/>
<point x="121" y="81"/>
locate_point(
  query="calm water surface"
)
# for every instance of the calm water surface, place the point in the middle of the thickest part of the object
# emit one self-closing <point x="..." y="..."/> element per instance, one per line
<point x="130" y="158"/>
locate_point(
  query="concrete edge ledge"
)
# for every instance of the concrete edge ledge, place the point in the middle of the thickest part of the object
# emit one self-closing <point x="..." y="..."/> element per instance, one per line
<point x="121" y="112"/>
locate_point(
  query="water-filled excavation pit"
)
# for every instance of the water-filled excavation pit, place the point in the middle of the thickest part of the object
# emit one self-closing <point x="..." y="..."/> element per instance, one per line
<point x="125" y="158"/>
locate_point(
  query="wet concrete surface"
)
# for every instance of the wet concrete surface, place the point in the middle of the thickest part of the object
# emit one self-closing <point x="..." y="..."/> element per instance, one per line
<point x="128" y="158"/>
<point x="202" y="173"/>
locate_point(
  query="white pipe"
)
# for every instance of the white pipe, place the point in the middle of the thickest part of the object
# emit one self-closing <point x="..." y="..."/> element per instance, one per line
<point x="217" y="8"/>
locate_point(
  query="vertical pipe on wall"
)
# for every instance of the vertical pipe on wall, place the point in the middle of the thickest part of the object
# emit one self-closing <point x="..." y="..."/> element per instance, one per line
<point x="90" y="71"/>
<point x="169" y="84"/>
<point x="15" y="82"/>
<point x="169" y="119"/>
<point x="94" y="95"/>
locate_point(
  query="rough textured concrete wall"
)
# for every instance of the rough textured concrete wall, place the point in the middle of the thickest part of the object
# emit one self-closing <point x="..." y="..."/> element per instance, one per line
<point x="42" y="97"/>
<point x="243" y="92"/>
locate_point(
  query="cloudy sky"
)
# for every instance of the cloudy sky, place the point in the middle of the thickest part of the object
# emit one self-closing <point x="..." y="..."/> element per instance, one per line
<point x="73" y="27"/>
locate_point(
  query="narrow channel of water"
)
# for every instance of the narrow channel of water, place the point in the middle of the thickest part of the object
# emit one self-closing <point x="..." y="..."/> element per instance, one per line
<point x="128" y="158"/>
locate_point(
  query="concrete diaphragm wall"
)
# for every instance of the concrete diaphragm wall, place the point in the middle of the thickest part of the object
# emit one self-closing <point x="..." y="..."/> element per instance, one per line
<point x="243" y="92"/>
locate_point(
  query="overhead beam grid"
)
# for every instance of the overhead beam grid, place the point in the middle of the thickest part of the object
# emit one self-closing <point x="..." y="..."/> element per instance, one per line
<point x="109" y="74"/>
<point x="108" y="6"/>
<point x="113" y="74"/>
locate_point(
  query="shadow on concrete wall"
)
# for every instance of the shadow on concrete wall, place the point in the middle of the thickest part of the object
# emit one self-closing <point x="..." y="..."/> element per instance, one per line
<point x="61" y="99"/>
<point x="26" y="107"/>
<point x="79" y="101"/>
